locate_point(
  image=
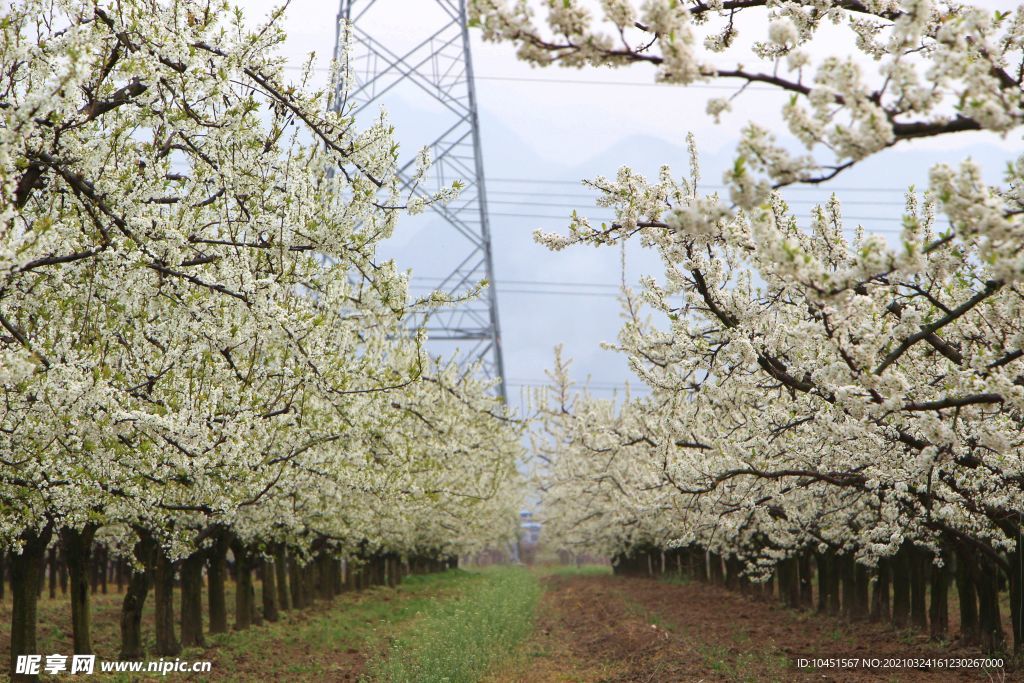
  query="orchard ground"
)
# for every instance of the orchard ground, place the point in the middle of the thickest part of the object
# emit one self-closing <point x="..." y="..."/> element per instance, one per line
<point x="505" y="625"/>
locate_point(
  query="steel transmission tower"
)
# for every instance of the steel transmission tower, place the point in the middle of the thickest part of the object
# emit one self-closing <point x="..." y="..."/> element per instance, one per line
<point x="438" y="64"/>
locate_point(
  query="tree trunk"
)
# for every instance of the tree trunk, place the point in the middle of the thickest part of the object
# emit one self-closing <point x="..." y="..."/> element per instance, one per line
<point x="789" y="587"/>
<point x="281" y="568"/>
<point x="834" y="604"/>
<point x="918" y="581"/>
<point x="78" y="546"/>
<point x="167" y="644"/>
<point x="192" y="600"/>
<point x="309" y="582"/>
<point x="1017" y="593"/>
<point x="394" y="565"/>
<point x="824" y="587"/>
<point x="102" y="566"/>
<point x="861" y="579"/>
<point x="26" y="579"/>
<point x="732" y="572"/>
<point x="1015" y="581"/>
<point x="806" y="580"/>
<point x="986" y="582"/>
<point x="338" y="574"/>
<point x="970" y="630"/>
<point x="716" y="573"/>
<point x="901" y="588"/>
<point x="378" y="564"/>
<point x="62" y="571"/>
<point x="268" y="590"/>
<point x="768" y="588"/>
<point x="51" y="571"/>
<point x="216" y="576"/>
<point x="880" y="595"/>
<point x="244" y="591"/>
<point x="846" y="576"/>
<point x="938" y="612"/>
<point x="782" y="576"/>
<point x="135" y="599"/>
<point x="352" y="573"/>
<point x="334" y="574"/>
<point x="295" y="583"/>
<point x="325" y="582"/>
<point x="699" y="564"/>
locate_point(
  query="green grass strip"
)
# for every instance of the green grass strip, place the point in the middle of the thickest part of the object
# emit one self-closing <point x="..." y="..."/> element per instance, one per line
<point x="457" y="639"/>
<point x="306" y="644"/>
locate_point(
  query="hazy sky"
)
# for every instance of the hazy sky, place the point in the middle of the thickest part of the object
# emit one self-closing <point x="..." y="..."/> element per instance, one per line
<point x="543" y="133"/>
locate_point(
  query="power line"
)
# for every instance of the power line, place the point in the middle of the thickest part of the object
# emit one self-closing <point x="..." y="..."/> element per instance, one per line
<point x="591" y="197"/>
<point x="802" y="188"/>
<point x="610" y="219"/>
<point x="579" y="387"/>
<point x="564" y="283"/>
<point x="506" y="290"/>
<point x="584" y="81"/>
<point x="539" y="287"/>
<point x="610" y="383"/>
<point x="581" y="197"/>
<point x="634" y="84"/>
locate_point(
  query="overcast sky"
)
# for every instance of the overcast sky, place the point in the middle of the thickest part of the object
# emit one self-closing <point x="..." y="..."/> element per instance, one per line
<point x="544" y="130"/>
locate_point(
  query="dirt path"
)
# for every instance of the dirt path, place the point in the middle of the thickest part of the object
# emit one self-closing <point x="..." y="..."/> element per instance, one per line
<point x="605" y="628"/>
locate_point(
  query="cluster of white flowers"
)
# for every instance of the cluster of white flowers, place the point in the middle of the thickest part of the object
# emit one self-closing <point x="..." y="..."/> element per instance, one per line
<point x="931" y="68"/>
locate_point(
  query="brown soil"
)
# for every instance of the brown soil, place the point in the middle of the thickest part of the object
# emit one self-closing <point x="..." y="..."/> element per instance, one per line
<point x="605" y="628"/>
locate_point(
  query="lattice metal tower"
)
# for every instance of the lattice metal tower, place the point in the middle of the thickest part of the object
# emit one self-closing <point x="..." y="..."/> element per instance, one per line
<point x="438" y="63"/>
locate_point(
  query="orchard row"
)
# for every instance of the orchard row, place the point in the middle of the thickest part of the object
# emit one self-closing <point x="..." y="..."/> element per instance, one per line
<point x="811" y="389"/>
<point x="199" y="347"/>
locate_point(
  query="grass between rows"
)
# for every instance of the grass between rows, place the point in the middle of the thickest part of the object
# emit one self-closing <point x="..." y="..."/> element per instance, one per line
<point x="459" y="639"/>
<point x="334" y="641"/>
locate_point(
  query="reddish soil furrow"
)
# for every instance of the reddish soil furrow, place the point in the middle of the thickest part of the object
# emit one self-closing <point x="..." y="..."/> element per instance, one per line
<point x="604" y="628"/>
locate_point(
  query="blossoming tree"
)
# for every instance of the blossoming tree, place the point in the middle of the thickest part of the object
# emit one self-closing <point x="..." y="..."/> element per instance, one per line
<point x="812" y="395"/>
<point x="195" y="324"/>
